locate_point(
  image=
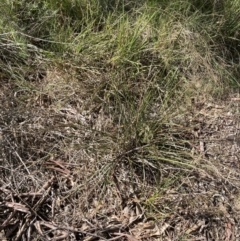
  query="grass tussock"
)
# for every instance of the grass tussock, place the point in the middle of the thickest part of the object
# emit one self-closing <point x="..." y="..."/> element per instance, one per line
<point x="102" y="107"/>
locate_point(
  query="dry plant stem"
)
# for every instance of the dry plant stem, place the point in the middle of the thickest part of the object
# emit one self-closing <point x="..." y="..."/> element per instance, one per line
<point x="21" y="231"/>
<point x="38" y="228"/>
<point x="61" y="237"/>
<point x="128" y="236"/>
<point x="41" y="39"/>
<point x="71" y="230"/>
<point x="34" y="194"/>
<point x="19" y="157"/>
<point x="46" y="185"/>
<point x="29" y="230"/>
<point x="7" y="221"/>
<point x="60" y="168"/>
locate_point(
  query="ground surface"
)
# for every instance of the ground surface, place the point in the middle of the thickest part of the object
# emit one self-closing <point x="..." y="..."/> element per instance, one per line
<point x="119" y="120"/>
<point x="68" y="196"/>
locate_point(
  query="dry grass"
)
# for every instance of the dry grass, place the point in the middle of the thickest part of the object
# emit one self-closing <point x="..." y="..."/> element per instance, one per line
<point x="110" y="122"/>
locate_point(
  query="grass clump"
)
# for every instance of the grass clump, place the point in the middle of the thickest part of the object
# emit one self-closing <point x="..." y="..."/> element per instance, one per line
<point x="101" y="108"/>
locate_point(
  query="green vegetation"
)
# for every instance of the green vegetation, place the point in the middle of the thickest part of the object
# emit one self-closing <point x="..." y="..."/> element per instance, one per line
<point x="104" y="95"/>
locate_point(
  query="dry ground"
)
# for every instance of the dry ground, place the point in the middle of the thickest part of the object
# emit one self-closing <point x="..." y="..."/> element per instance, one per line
<point x="118" y="120"/>
<point x="63" y="176"/>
